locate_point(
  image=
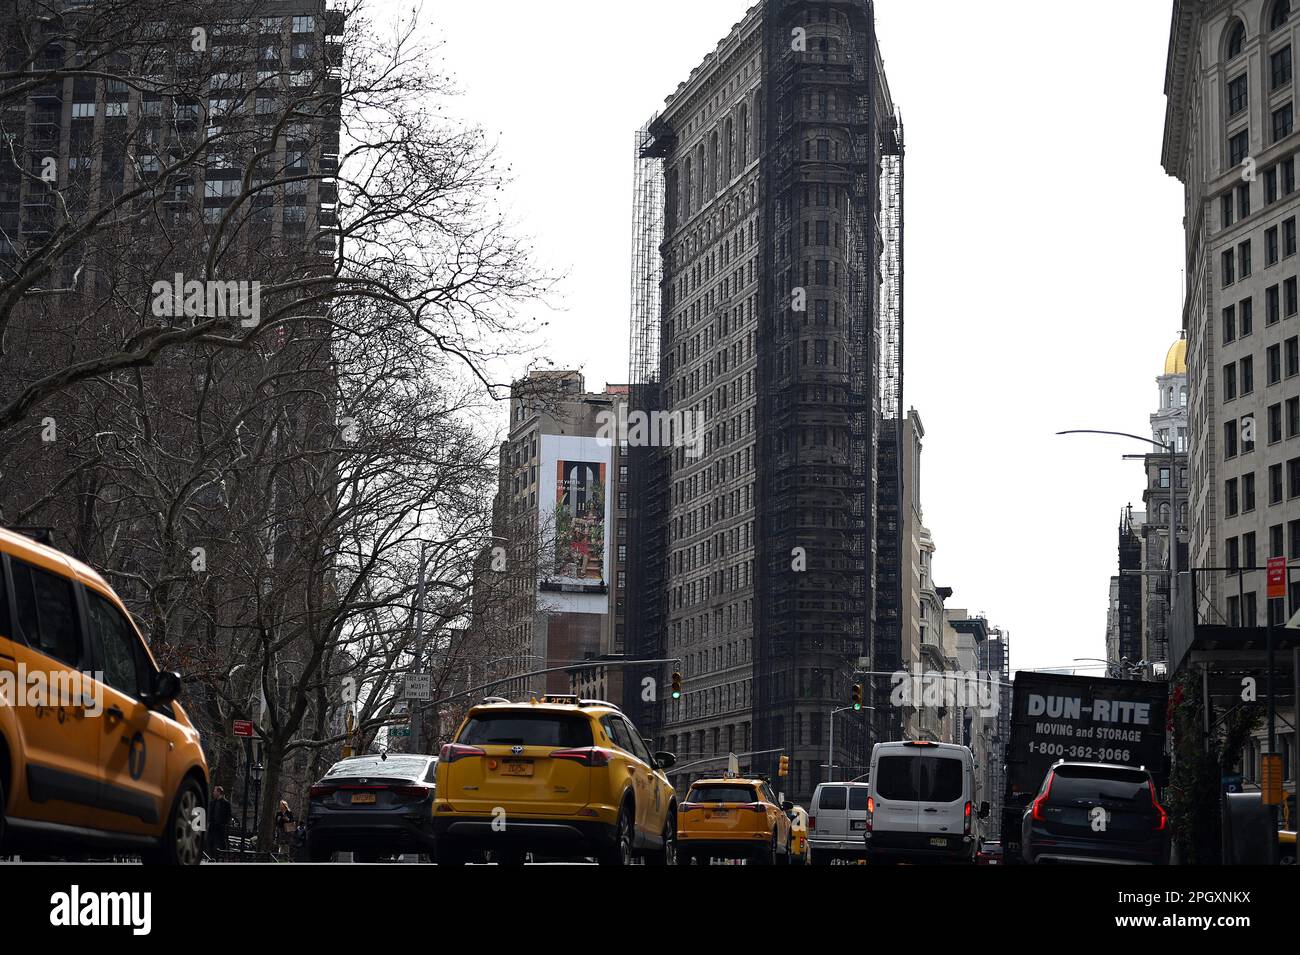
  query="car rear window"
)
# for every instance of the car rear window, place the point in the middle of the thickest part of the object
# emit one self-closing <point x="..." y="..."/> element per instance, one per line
<point x="403" y="766"/>
<point x="722" y="793"/>
<point x="831" y="797"/>
<point x="527" y="729"/>
<point x="941" y="779"/>
<point x="896" y="777"/>
<point x="1095" y="783"/>
<point x="858" y="797"/>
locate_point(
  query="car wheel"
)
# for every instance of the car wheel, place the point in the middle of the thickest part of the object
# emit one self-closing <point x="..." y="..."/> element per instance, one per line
<point x="668" y="854"/>
<point x="182" y="843"/>
<point x="620" y="853"/>
<point x="769" y="855"/>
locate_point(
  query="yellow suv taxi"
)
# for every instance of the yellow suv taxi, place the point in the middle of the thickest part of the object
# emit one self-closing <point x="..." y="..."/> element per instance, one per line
<point x="734" y="817"/>
<point x="95" y="752"/>
<point x="561" y="777"/>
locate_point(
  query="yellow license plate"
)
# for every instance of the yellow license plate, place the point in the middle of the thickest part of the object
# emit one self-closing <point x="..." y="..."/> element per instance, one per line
<point x="517" y="767"/>
<point x="362" y="798"/>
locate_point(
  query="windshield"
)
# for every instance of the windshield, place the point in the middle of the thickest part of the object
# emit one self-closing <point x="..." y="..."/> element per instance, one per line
<point x="527" y="729"/>
<point x="722" y="793"/>
<point x="411" y="768"/>
<point x="1093" y="784"/>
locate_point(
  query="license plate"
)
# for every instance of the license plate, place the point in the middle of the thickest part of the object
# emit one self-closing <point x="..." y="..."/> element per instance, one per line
<point x="716" y="813"/>
<point x="517" y="767"/>
<point x="858" y="824"/>
<point x="359" y="799"/>
<point x="938" y="841"/>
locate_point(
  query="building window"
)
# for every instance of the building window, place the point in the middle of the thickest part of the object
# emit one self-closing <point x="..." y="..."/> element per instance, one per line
<point x="1229" y="381"/>
<point x="1236" y="39"/>
<point x="1247" y="428"/>
<point x="1237" y="92"/>
<point x="1238" y="146"/>
<point x="1247" y="375"/>
<point x="1283" y="121"/>
<point x="1248" y="498"/>
<point x="1279" y="67"/>
<point x="1243" y="259"/>
<point x="1293" y="478"/>
<point x="1246" y="316"/>
<point x="1273" y="363"/>
<point x="1270" y="247"/>
<point x="1272" y="306"/>
<point x="1278" y="17"/>
<point x="1292" y="346"/>
<point x="1230" y="499"/>
<point x="1290" y="297"/>
<point x="1229" y="324"/>
<point x="1230" y="439"/>
<point x="1229" y="266"/>
<point x="1275" y="486"/>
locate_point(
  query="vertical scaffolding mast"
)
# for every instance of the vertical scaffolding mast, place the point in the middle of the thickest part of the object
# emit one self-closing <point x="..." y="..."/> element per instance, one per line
<point x="891" y="265"/>
<point x="649" y="467"/>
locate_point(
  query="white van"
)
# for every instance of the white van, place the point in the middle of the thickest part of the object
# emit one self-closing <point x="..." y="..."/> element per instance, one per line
<point x="922" y="803"/>
<point x="837" y="819"/>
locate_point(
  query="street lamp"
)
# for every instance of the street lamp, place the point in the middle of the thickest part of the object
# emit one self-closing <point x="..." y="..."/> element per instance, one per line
<point x="830" y="719"/>
<point x="258" y="769"/>
<point x="1173" y="498"/>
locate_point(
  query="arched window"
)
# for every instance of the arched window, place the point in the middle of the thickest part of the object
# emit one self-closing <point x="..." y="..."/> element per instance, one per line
<point x="729" y="168"/>
<point x="744" y="135"/>
<point x="1281" y="12"/>
<point x="1236" y="39"/>
<point x="1182" y="396"/>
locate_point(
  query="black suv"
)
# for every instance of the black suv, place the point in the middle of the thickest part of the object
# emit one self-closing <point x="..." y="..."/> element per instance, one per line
<point x="1096" y="812"/>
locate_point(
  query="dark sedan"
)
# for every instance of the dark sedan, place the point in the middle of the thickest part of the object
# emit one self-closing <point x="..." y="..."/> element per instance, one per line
<point x="1096" y="813"/>
<point x="373" y="806"/>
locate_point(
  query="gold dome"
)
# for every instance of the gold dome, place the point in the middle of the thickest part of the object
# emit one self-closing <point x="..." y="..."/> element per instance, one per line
<point x="1176" y="359"/>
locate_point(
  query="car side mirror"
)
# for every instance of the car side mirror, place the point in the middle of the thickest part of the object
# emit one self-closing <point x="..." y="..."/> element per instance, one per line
<point x="166" y="688"/>
<point x="984" y="810"/>
<point x="665" y="760"/>
<point x="787" y="806"/>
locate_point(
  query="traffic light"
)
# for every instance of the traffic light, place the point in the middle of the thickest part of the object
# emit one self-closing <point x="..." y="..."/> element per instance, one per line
<point x="783" y="767"/>
<point x="677" y="685"/>
<point x="857" y="696"/>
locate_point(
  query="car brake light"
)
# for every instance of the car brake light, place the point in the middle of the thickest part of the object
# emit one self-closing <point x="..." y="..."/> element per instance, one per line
<point x="756" y="807"/>
<point x="419" y="792"/>
<point x="966" y="825"/>
<point x="587" y="755"/>
<point x="688" y="806"/>
<point x="1164" y="816"/>
<point x="321" y="791"/>
<point x="871" y="812"/>
<point x="453" y="751"/>
<point x="1038" y="803"/>
<point x="812" y="822"/>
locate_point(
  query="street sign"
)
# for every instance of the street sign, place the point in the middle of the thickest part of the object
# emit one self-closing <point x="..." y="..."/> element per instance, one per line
<point x="399" y="731"/>
<point x="418" y="686"/>
<point x="1276" y="577"/>
<point x="243" y="728"/>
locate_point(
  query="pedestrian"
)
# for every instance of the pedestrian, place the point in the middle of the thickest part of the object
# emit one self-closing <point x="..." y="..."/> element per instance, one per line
<point x="220" y="815"/>
<point x="299" y="850"/>
<point x="284" y="823"/>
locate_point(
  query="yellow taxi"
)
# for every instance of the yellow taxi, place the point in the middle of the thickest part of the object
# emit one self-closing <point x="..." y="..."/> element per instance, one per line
<point x="95" y="751"/>
<point x="561" y="777"/>
<point x="799" y="835"/>
<point x="734" y="817"/>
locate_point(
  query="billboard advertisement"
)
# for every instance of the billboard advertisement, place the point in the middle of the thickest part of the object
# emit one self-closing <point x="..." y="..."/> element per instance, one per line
<point x="575" y="517"/>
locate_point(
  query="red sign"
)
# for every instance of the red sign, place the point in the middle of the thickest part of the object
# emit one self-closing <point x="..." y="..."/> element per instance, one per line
<point x="1276" y="577"/>
<point x="243" y="727"/>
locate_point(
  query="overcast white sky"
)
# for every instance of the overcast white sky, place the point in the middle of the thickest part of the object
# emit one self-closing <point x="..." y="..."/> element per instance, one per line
<point x="1044" y="250"/>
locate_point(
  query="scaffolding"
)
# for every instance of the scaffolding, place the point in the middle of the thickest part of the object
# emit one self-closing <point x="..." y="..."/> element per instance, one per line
<point x="819" y="423"/>
<point x="649" y="466"/>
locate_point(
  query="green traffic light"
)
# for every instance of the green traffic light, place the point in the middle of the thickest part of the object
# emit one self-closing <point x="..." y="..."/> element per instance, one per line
<point x="857" y="706"/>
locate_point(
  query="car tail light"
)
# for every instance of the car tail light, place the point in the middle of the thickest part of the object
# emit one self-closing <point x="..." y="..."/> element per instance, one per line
<point x="812" y="822"/>
<point x="453" y="751"/>
<point x="587" y="755"/>
<point x="411" y="792"/>
<point x="871" y="812"/>
<point x="756" y="807"/>
<point x="688" y="806"/>
<point x="1164" y="816"/>
<point x="966" y="824"/>
<point x="1038" y="803"/>
<point x="320" y="791"/>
